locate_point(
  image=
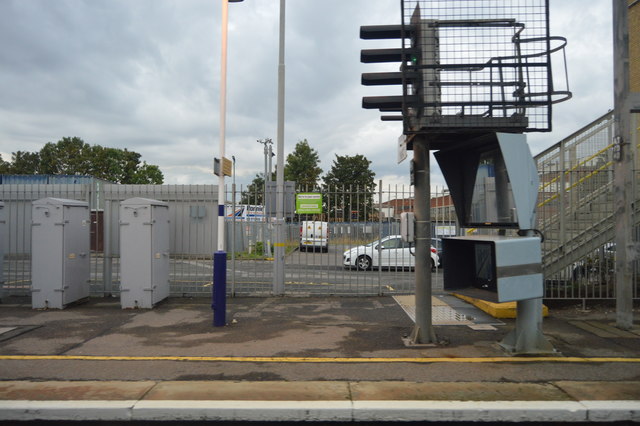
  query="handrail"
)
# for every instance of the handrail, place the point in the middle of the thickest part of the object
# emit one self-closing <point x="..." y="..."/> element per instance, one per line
<point x="581" y="180"/>
<point x="576" y="166"/>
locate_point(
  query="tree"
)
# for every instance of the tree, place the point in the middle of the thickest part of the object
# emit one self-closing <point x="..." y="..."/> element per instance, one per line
<point x="350" y="185"/>
<point x="23" y="163"/>
<point x="147" y="173"/>
<point x="254" y="194"/>
<point x="72" y="156"/>
<point x="69" y="156"/>
<point x="4" y="166"/>
<point x="302" y="165"/>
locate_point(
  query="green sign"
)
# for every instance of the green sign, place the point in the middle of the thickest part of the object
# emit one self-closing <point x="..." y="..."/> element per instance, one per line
<point x="309" y="203"/>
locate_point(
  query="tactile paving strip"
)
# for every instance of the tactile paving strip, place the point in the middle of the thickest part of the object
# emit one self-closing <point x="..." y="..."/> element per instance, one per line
<point x="442" y="314"/>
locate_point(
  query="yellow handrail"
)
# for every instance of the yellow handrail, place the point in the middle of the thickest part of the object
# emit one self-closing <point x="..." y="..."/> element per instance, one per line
<point x="576" y="166"/>
<point x="593" y="173"/>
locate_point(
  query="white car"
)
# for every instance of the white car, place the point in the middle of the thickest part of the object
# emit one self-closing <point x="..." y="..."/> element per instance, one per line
<point x="387" y="252"/>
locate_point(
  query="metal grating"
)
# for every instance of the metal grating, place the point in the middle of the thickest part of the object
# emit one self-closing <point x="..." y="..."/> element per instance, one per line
<point x="441" y="312"/>
<point x="484" y="64"/>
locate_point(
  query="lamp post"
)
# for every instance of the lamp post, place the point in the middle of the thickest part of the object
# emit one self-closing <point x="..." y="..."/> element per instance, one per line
<point x="219" y="303"/>
<point x="278" y="264"/>
<point x="266" y="250"/>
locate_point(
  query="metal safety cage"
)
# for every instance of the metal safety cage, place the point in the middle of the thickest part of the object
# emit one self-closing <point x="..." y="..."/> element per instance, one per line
<point x="479" y="65"/>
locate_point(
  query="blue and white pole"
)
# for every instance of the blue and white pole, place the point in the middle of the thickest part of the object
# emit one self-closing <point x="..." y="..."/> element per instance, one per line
<point x="219" y="291"/>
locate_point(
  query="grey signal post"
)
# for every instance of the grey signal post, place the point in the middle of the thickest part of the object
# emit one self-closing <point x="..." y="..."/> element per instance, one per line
<point x="423" y="331"/>
<point x="504" y="96"/>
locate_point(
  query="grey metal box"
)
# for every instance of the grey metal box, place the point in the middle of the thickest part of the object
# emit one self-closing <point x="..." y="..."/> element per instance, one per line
<point x="493" y="268"/>
<point x="144" y="252"/>
<point x="3" y="236"/>
<point x="60" y="256"/>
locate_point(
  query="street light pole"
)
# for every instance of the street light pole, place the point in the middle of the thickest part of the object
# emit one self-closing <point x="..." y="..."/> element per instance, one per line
<point x="278" y="252"/>
<point x="266" y="202"/>
<point x="219" y="303"/>
<point x="223" y="121"/>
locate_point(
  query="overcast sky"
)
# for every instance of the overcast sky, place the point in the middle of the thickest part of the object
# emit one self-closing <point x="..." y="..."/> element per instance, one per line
<point x="145" y="75"/>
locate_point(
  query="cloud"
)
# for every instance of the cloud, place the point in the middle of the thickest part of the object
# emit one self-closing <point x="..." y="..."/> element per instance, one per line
<point x="145" y="75"/>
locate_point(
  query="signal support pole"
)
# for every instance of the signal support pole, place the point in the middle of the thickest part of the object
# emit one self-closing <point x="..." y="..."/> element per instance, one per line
<point x="527" y="339"/>
<point x="423" y="332"/>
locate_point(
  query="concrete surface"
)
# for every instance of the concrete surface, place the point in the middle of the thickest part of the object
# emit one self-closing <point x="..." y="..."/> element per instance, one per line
<point x="339" y="359"/>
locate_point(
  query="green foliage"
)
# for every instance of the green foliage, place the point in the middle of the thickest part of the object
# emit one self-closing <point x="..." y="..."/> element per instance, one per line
<point x="257" y="254"/>
<point x="354" y="175"/>
<point x="348" y="187"/>
<point x="350" y="170"/>
<point x="147" y="173"/>
<point x="69" y="156"/>
<point x="72" y="156"/>
<point x="254" y="194"/>
<point x="302" y="166"/>
<point x="23" y="163"/>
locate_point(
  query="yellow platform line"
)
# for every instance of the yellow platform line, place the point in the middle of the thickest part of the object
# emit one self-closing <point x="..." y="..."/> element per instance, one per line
<point x="318" y="360"/>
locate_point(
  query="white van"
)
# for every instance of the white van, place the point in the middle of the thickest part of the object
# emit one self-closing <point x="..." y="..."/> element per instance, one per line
<point x="314" y="234"/>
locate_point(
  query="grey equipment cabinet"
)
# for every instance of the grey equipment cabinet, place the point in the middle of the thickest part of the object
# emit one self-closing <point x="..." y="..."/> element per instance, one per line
<point x="494" y="268"/>
<point x="3" y="239"/>
<point x="144" y="252"/>
<point x="60" y="253"/>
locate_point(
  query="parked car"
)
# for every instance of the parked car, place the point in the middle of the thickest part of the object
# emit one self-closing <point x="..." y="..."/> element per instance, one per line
<point x="597" y="267"/>
<point x="388" y="252"/>
<point x="437" y="244"/>
<point x="314" y="235"/>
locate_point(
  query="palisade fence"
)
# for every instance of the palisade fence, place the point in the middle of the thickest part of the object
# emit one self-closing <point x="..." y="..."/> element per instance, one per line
<point x="355" y="216"/>
<point x="575" y="214"/>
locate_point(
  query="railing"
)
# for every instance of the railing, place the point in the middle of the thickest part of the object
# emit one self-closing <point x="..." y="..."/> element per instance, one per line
<point x="575" y="213"/>
<point x="480" y="67"/>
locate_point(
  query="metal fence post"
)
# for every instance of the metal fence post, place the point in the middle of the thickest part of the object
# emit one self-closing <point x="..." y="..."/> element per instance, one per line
<point x="106" y="253"/>
<point x="233" y="238"/>
<point x="379" y="235"/>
